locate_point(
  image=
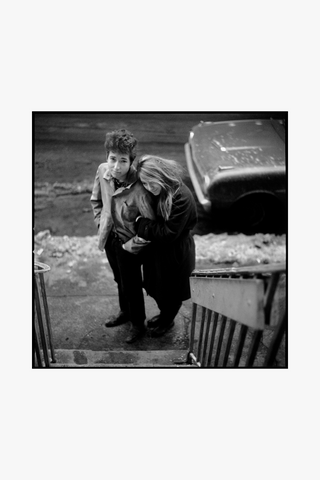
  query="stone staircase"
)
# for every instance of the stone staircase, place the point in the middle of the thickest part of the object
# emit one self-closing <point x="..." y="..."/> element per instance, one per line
<point x="80" y="303"/>
<point x="120" y="359"/>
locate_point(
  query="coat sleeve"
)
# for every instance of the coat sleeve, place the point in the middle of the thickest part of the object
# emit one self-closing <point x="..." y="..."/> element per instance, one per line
<point x="96" y="200"/>
<point x="166" y="231"/>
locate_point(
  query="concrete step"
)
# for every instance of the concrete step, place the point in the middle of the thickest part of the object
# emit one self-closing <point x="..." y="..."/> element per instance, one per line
<point x="119" y="358"/>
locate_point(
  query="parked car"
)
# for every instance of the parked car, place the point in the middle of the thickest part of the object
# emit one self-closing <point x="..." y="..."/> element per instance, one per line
<point x="239" y="168"/>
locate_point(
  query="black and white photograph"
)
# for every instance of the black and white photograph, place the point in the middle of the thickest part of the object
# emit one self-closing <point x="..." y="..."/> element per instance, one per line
<point x="160" y="239"/>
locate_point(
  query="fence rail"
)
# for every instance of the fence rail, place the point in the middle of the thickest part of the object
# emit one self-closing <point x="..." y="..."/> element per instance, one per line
<point x="239" y="317"/>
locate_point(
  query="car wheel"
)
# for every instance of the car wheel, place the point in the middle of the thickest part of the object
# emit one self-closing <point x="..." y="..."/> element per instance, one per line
<point x="257" y="213"/>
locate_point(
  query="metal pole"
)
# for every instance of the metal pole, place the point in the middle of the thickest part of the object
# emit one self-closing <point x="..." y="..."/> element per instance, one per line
<point x="36" y="348"/>
<point x="46" y="311"/>
<point x="240" y="344"/>
<point x="222" y="328"/>
<point x="206" y="337"/>
<point x="41" y="327"/>
<point x="204" y="311"/>
<point x="193" y="326"/>
<point x="275" y="342"/>
<point x="213" y="335"/>
<point x="253" y="348"/>
<point x="232" y="326"/>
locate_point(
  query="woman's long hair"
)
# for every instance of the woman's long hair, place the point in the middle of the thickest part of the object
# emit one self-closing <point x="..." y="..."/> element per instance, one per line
<point x="166" y="173"/>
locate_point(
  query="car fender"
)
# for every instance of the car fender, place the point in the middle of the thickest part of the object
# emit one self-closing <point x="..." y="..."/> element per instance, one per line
<point x="229" y="186"/>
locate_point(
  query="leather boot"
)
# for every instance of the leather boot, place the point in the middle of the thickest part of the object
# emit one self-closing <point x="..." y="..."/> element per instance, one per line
<point x="153" y="322"/>
<point x="116" y="320"/>
<point x="161" y="329"/>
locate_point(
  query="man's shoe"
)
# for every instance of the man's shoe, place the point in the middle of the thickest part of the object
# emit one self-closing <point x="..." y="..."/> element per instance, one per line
<point x="116" y="320"/>
<point x="135" y="334"/>
<point x="154" y="322"/>
<point x="161" y="329"/>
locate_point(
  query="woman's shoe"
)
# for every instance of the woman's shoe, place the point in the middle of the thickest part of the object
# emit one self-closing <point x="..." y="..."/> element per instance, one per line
<point x="116" y="320"/>
<point x="135" y="333"/>
<point x="153" y="322"/>
<point x="161" y="329"/>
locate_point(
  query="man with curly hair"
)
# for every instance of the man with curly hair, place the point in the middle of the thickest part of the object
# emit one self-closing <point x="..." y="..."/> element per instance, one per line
<point x="117" y="199"/>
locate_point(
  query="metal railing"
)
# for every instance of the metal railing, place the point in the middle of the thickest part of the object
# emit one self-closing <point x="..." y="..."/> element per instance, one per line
<point x="239" y="317"/>
<point x="41" y="330"/>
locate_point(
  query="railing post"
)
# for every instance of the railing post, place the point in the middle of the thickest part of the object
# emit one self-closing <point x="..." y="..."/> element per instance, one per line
<point x="45" y="333"/>
<point x="46" y="310"/>
<point x="193" y="327"/>
<point x="232" y="326"/>
<point x="240" y="344"/>
<point x="213" y="335"/>
<point x="36" y="348"/>
<point x="202" y="361"/>
<point x="276" y="340"/>
<point x="40" y="324"/>
<point x="221" y="334"/>
<point x="203" y="318"/>
<point x="271" y="289"/>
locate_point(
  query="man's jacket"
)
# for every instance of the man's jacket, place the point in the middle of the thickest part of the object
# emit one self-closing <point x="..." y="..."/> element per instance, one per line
<point x="118" y="208"/>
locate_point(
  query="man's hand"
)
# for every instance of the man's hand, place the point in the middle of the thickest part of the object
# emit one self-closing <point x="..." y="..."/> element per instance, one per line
<point x="135" y="245"/>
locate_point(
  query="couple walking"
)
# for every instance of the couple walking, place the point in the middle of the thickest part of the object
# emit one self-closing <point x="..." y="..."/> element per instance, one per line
<point x="144" y="216"/>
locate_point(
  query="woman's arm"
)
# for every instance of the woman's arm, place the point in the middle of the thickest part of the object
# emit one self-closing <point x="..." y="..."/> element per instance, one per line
<point x="167" y="231"/>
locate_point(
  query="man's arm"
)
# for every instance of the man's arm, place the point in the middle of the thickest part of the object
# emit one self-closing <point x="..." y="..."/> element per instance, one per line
<point x="96" y="201"/>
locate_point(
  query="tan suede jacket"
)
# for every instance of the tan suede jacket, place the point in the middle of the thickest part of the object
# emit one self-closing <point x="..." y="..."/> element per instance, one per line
<point x="118" y="208"/>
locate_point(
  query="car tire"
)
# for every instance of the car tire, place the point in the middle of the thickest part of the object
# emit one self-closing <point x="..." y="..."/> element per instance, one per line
<point x="258" y="213"/>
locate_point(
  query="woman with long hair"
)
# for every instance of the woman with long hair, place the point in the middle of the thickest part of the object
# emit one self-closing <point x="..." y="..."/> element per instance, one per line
<point x="170" y="257"/>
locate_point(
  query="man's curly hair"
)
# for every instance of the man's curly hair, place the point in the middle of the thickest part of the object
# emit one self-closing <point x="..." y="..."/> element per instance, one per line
<point x="121" y="141"/>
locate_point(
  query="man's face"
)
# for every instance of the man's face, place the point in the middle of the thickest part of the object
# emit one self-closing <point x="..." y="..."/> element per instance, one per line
<point x="119" y="165"/>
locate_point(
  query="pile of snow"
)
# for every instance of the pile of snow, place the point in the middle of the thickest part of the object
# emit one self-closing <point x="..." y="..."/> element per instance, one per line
<point x="211" y="249"/>
<point x="240" y="249"/>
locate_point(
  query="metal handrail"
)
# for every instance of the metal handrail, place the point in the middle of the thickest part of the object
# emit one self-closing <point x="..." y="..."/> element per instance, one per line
<point x="40" y="267"/>
<point x="254" y="288"/>
<point x="252" y="269"/>
<point x="44" y="328"/>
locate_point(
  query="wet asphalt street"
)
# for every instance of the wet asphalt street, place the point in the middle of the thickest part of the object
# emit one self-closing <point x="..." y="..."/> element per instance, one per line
<point x="68" y="147"/>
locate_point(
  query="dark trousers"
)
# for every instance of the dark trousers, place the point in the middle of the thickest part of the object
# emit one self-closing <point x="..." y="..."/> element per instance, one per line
<point x="168" y="310"/>
<point x="126" y="269"/>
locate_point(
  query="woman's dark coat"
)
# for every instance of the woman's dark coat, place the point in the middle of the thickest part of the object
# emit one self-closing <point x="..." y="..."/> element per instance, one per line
<point x="170" y="257"/>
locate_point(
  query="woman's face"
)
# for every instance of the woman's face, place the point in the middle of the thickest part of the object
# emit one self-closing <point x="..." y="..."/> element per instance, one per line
<point x="152" y="186"/>
<point x="119" y="165"/>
